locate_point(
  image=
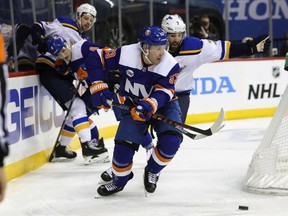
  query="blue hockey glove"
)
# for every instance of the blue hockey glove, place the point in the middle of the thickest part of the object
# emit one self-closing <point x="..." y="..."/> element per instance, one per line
<point x="100" y="94"/>
<point x="259" y="44"/>
<point x="144" y="110"/>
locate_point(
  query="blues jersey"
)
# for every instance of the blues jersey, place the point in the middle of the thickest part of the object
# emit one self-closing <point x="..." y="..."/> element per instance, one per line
<point x="192" y="54"/>
<point x="63" y="26"/>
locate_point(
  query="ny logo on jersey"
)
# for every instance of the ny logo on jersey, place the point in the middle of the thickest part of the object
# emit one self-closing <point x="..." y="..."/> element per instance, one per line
<point x="137" y="89"/>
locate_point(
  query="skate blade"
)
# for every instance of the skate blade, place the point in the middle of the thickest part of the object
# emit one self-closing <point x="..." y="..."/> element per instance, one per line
<point x="98" y="196"/>
<point x="146" y="193"/>
<point x="62" y="159"/>
<point x="90" y="160"/>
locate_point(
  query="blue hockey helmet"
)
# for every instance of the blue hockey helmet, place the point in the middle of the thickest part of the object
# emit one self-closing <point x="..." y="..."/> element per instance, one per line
<point x="153" y="36"/>
<point x="55" y="44"/>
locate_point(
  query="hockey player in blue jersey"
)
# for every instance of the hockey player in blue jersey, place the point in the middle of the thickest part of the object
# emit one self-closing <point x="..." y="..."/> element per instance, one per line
<point x="191" y="53"/>
<point x="61" y="87"/>
<point x="149" y="74"/>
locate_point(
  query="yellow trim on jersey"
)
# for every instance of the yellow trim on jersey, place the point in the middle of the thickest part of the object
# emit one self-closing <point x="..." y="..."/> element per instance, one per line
<point x="83" y="126"/>
<point x="70" y="26"/>
<point x="227" y="48"/>
<point x="67" y="133"/>
<point x="187" y="52"/>
<point x="45" y="61"/>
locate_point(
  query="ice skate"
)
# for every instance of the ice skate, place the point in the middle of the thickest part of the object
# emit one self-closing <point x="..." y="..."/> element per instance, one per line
<point x="106" y="176"/>
<point x="150" y="182"/>
<point x="95" y="152"/>
<point x="108" y="189"/>
<point x="62" y="153"/>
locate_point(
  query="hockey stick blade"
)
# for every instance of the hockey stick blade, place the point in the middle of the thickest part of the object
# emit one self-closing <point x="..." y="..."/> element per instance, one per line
<point x="215" y="127"/>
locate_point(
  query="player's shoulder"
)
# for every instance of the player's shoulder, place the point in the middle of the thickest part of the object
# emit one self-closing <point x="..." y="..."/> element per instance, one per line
<point x="68" y="22"/>
<point x="87" y="46"/>
<point x="63" y="19"/>
<point x="191" y="45"/>
<point x="130" y="50"/>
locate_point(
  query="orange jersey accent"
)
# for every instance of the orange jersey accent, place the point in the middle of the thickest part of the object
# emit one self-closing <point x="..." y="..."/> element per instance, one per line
<point x="2" y="50"/>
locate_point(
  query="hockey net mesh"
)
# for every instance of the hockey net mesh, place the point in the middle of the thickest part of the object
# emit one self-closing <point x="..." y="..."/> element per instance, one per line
<point x="268" y="170"/>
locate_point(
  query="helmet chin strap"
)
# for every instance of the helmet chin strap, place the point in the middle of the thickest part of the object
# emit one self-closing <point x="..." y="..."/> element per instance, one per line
<point x="79" y="25"/>
<point x="146" y="53"/>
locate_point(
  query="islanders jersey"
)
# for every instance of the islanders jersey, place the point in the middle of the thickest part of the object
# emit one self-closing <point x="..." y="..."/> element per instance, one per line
<point x="140" y="81"/>
<point x="63" y="26"/>
<point x="192" y="54"/>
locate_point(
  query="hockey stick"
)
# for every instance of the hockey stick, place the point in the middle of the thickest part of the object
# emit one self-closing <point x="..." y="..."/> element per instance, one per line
<point x="183" y="127"/>
<point x="64" y="121"/>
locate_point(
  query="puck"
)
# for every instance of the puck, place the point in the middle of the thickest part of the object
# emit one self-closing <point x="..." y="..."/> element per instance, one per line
<point x="243" y="207"/>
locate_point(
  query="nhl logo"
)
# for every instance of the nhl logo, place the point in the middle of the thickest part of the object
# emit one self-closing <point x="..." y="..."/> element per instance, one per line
<point x="276" y="71"/>
<point x="129" y="73"/>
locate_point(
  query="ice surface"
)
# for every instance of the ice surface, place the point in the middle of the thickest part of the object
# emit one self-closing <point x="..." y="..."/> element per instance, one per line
<point x="204" y="179"/>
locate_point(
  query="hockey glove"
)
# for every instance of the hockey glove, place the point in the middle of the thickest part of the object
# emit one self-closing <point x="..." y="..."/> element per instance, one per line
<point x="100" y="94"/>
<point x="41" y="43"/>
<point x="113" y="78"/>
<point x="61" y="67"/>
<point x="259" y="44"/>
<point x="144" y="110"/>
<point x="82" y="73"/>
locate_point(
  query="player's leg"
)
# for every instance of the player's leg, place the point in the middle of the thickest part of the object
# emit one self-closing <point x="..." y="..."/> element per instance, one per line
<point x="93" y="151"/>
<point x="184" y="102"/>
<point x="169" y="140"/>
<point x="67" y="134"/>
<point x="147" y="144"/>
<point x="129" y="134"/>
<point x="62" y="90"/>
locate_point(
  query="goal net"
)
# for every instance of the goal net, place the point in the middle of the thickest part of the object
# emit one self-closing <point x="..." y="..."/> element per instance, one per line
<point x="268" y="170"/>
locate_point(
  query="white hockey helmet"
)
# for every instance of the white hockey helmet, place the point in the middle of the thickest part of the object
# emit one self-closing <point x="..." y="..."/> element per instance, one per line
<point x="173" y="24"/>
<point x="86" y="8"/>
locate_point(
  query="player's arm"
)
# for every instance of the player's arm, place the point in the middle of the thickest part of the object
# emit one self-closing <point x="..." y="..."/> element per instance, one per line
<point x="38" y="37"/>
<point x="41" y="31"/>
<point x="221" y="50"/>
<point x="251" y="47"/>
<point x="162" y="93"/>
<point x="95" y="64"/>
<point x="164" y="90"/>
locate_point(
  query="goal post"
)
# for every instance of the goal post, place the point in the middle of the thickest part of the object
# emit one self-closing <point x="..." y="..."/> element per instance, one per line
<point x="268" y="170"/>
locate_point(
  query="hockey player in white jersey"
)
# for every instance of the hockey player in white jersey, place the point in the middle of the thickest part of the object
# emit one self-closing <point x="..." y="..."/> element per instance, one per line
<point x="191" y="53"/>
<point x="62" y="88"/>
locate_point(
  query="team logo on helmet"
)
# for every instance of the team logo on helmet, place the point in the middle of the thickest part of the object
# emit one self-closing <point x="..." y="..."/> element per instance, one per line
<point x="148" y="32"/>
